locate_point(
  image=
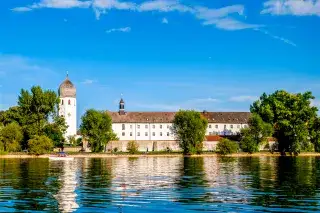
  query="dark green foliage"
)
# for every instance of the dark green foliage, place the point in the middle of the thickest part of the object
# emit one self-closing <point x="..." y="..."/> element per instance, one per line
<point x="97" y="128"/>
<point x="55" y="131"/>
<point x="39" y="145"/>
<point x="132" y="147"/>
<point x="292" y="118"/>
<point x="10" y="137"/>
<point x="226" y="146"/>
<point x="255" y="135"/>
<point x="190" y="127"/>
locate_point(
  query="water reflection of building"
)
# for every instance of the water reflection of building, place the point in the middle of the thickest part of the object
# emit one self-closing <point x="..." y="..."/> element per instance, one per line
<point x="66" y="195"/>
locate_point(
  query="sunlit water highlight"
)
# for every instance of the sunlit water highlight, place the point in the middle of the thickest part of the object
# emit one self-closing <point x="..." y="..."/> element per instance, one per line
<point x="161" y="184"/>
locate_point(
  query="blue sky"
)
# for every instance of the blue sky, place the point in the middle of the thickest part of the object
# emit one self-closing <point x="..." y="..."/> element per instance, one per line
<point x="218" y="55"/>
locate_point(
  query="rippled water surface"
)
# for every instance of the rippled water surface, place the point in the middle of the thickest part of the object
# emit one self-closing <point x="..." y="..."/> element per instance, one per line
<point x="161" y="184"/>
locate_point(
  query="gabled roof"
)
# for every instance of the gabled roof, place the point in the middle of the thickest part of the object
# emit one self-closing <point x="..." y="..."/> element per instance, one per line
<point x="167" y="117"/>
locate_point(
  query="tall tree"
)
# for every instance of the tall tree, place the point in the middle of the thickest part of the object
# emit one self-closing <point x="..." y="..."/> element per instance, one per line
<point x="291" y="116"/>
<point x="256" y="134"/>
<point x="55" y="131"/>
<point x="96" y="127"/>
<point x="36" y="107"/>
<point x="190" y="127"/>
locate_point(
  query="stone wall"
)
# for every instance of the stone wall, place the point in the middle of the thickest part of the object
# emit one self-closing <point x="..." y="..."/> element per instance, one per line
<point x="156" y="146"/>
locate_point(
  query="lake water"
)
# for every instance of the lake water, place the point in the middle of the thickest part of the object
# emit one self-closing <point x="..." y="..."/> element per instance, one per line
<point x="161" y="184"/>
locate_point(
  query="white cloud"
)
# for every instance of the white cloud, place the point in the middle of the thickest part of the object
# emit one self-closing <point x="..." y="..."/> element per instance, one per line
<point x="101" y="6"/>
<point x="88" y="81"/>
<point x="164" y="6"/>
<point x="287" y="41"/>
<point x="292" y="7"/>
<point x="58" y="4"/>
<point x="123" y="29"/>
<point x="21" y="9"/>
<point x="230" y="24"/>
<point x="244" y="98"/>
<point x="164" y="21"/>
<point x="220" y="17"/>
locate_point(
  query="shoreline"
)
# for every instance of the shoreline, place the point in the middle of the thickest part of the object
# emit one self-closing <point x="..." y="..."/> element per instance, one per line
<point x="107" y="155"/>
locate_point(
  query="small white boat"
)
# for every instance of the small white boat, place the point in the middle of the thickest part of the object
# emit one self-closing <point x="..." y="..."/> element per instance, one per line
<point x="60" y="156"/>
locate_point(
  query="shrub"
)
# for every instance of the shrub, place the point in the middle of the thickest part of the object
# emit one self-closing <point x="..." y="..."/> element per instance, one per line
<point x="132" y="147"/>
<point x="115" y="150"/>
<point x="226" y="146"/>
<point x="39" y="145"/>
<point x="10" y="137"/>
<point x="248" y="144"/>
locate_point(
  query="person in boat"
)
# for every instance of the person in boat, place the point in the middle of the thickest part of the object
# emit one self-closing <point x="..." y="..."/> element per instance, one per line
<point x="62" y="154"/>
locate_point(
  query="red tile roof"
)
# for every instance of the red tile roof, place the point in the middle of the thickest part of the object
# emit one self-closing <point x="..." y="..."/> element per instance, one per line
<point x="167" y="117"/>
<point x="213" y="137"/>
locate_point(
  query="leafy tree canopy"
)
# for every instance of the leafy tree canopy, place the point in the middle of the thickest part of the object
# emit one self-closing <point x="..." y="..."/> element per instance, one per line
<point x="190" y="128"/>
<point x="255" y="134"/>
<point x="96" y="127"/>
<point x="291" y="116"/>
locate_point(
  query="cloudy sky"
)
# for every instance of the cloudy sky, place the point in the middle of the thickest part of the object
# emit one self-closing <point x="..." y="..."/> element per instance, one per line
<point x="162" y="55"/>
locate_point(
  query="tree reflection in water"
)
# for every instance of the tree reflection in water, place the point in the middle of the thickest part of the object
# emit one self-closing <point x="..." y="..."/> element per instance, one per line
<point x="294" y="184"/>
<point x="191" y="185"/>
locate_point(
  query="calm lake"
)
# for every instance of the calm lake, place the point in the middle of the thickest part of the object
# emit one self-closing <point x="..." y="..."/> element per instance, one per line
<point x="161" y="184"/>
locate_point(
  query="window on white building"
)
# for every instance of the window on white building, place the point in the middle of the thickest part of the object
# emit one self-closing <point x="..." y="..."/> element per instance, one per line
<point x="238" y="126"/>
<point x="225" y="126"/>
<point x="130" y="126"/>
<point x="138" y="126"/>
<point x="69" y="102"/>
<point x="245" y="125"/>
<point x="160" y="133"/>
<point x="138" y="133"/>
<point x="146" y="126"/>
<point x="123" y="133"/>
<point x="153" y="126"/>
<point x="160" y="126"/>
<point x="168" y="133"/>
<point x="210" y="126"/>
<point x="231" y="126"/>
<point x="146" y="134"/>
<point x="123" y="126"/>
<point x="168" y="126"/>
<point x="216" y="126"/>
<point x="153" y="134"/>
<point x="210" y="133"/>
<point x="61" y="102"/>
<point x="130" y="133"/>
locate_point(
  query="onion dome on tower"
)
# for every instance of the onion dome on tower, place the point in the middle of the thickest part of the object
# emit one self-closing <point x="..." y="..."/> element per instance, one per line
<point x="67" y="89"/>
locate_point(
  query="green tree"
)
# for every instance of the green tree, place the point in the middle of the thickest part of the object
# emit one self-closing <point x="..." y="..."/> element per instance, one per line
<point x="190" y="127"/>
<point x="96" y="127"/>
<point x="226" y="146"/>
<point x="40" y="145"/>
<point x="36" y="106"/>
<point x="132" y="147"/>
<point x="10" y="137"/>
<point x="255" y="135"/>
<point x="55" y="131"/>
<point x="291" y="116"/>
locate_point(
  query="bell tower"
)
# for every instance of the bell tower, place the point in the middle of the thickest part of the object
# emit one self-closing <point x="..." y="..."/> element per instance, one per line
<point x="68" y="106"/>
<point x="121" y="107"/>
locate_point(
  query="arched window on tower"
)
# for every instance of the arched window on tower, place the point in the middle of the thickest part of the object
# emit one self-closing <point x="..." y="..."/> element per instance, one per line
<point x="61" y="102"/>
<point x="69" y="102"/>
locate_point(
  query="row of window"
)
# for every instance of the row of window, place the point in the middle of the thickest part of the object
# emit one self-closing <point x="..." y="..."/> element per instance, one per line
<point x="161" y="126"/>
<point x="225" y="126"/>
<point x="146" y="126"/>
<point x="146" y="134"/>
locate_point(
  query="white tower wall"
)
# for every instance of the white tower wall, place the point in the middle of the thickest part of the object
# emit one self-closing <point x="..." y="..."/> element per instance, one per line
<point x="68" y="109"/>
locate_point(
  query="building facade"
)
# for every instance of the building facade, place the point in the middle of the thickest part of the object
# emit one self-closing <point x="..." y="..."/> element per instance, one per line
<point x="157" y="126"/>
<point x="68" y="106"/>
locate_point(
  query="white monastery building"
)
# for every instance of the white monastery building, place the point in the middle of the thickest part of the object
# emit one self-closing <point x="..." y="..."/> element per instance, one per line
<point x="146" y="126"/>
<point x="157" y="126"/>
<point x="68" y="106"/>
